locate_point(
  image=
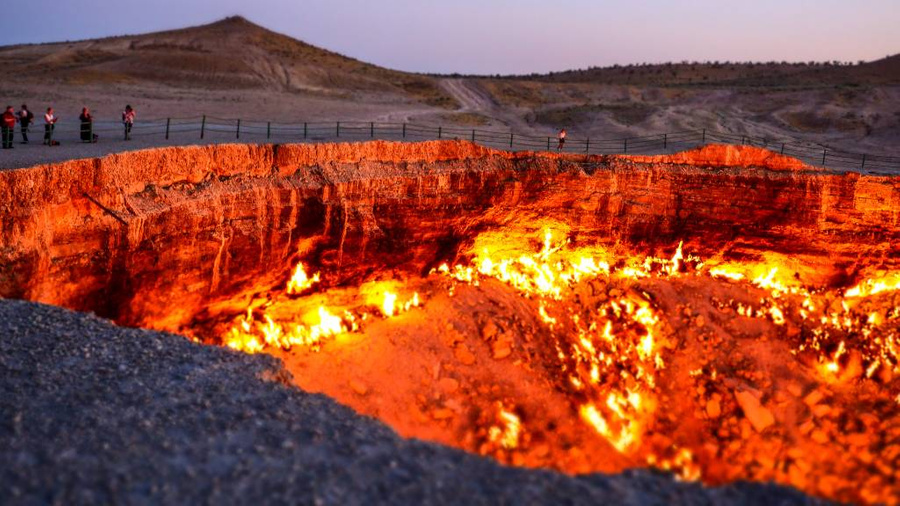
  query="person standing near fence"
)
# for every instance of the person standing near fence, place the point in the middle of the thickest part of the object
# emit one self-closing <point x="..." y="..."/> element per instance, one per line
<point x="49" y="126"/>
<point x="562" y="139"/>
<point x="25" y="119"/>
<point x="8" y="127"/>
<point x="128" y="120"/>
<point x="87" y="126"/>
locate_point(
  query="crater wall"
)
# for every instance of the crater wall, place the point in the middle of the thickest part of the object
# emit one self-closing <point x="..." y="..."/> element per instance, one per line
<point x="156" y="236"/>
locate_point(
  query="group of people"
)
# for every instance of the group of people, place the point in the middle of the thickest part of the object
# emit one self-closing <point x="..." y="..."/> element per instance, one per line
<point x="8" y="125"/>
<point x="25" y="118"/>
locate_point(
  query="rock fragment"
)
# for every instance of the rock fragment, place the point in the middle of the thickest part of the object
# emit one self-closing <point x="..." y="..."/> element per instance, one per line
<point x="758" y="415"/>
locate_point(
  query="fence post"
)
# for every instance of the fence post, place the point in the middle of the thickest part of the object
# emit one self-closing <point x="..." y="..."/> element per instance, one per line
<point x="268" y="130"/>
<point x="473" y="135"/>
<point x="665" y="141"/>
<point x="372" y="130"/>
<point x="404" y="130"/>
<point x="782" y="148"/>
<point x="238" y="131"/>
<point x="548" y="143"/>
<point x="704" y="136"/>
<point x="338" y="131"/>
<point x="304" y="129"/>
<point x="863" y="166"/>
<point x="626" y="146"/>
<point x="510" y="140"/>
<point x="168" y="122"/>
<point x="439" y="132"/>
<point x="203" y="127"/>
<point x="824" y="154"/>
<point x="587" y="145"/>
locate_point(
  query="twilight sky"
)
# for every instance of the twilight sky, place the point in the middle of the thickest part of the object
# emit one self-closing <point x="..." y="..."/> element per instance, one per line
<point x="503" y="36"/>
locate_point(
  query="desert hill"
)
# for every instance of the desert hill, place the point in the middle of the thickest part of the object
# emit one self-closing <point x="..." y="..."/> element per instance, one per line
<point x="230" y="54"/>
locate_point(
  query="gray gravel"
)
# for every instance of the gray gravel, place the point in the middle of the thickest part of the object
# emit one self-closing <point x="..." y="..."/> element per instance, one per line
<point x="111" y="141"/>
<point x="92" y="413"/>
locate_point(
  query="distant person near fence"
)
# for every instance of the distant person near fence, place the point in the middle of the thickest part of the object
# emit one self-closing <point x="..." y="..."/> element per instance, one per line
<point x="128" y="120"/>
<point x="562" y="139"/>
<point x="49" y="126"/>
<point x="87" y="126"/>
<point x="8" y="127"/>
<point x="25" y="119"/>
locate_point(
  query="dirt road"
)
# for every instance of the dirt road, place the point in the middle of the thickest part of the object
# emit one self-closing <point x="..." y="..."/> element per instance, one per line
<point x="471" y="96"/>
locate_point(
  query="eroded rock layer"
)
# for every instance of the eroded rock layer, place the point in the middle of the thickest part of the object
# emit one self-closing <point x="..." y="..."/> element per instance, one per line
<point x="157" y="235"/>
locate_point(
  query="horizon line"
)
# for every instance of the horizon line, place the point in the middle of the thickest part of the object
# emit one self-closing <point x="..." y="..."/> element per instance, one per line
<point x="241" y="18"/>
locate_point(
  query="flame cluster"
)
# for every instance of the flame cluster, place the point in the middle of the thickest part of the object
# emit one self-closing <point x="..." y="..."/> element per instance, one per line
<point x="608" y="355"/>
<point x="253" y="334"/>
<point x="856" y="329"/>
<point x="611" y="354"/>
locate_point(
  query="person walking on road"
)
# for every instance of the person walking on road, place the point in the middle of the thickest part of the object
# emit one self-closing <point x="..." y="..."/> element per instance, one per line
<point x="49" y="126"/>
<point x="8" y="127"/>
<point x="25" y="119"/>
<point x="562" y="139"/>
<point x="87" y="126"/>
<point x="128" y="120"/>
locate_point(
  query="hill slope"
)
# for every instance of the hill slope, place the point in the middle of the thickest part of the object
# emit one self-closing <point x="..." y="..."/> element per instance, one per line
<point x="229" y="54"/>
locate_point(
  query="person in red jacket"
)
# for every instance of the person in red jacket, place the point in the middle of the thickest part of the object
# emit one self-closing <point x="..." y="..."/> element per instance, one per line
<point x="8" y="127"/>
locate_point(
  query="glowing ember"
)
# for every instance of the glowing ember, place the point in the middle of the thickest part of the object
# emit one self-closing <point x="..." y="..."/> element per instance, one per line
<point x="299" y="281"/>
<point x="387" y="307"/>
<point x="874" y="286"/>
<point x="507" y="434"/>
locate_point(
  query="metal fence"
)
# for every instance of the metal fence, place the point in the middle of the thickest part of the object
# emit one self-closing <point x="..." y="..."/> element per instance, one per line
<point x="214" y="129"/>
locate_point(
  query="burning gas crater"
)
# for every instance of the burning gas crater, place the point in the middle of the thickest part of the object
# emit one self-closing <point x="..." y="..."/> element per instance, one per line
<point x="539" y="350"/>
<point x="725" y="313"/>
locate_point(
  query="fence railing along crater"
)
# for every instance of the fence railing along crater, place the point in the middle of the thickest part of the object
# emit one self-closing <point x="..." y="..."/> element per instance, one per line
<point x="210" y="128"/>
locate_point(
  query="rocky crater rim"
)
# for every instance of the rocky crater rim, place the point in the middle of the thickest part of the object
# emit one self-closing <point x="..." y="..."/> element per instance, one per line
<point x="132" y="171"/>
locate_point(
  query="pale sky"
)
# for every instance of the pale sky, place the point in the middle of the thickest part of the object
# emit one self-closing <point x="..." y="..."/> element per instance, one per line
<point x="503" y="36"/>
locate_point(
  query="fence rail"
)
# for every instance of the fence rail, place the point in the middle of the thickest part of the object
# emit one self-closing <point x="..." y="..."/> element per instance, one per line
<point x="215" y="129"/>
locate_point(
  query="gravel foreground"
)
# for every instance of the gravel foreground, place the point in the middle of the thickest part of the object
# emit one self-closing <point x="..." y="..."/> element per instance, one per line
<point x="92" y="413"/>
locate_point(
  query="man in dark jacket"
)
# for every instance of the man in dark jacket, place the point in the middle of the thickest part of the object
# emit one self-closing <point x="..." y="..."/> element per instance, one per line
<point x="25" y="119"/>
<point x="8" y="127"/>
<point x="87" y="126"/>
